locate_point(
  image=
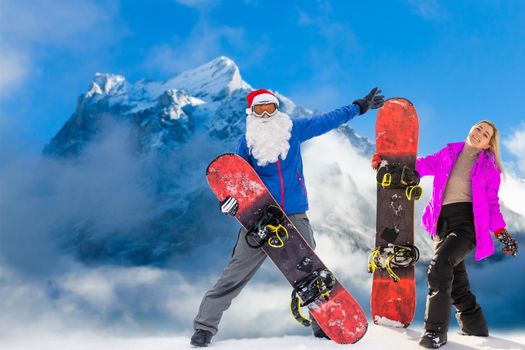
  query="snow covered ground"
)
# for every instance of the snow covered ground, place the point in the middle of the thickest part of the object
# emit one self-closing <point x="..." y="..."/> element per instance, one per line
<point x="376" y="338"/>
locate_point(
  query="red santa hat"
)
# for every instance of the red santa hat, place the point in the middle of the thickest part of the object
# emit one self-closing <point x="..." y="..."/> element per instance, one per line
<point x="260" y="96"/>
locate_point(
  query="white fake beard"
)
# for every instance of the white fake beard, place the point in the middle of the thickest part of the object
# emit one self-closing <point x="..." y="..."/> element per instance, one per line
<point x="268" y="138"/>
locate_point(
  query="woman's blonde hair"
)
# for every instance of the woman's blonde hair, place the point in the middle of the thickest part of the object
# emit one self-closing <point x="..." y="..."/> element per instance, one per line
<point x="493" y="143"/>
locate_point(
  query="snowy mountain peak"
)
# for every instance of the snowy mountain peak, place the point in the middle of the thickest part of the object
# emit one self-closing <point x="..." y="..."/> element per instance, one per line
<point x="212" y="81"/>
<point x="104" y="83"/>
<point x="173" y="102"/>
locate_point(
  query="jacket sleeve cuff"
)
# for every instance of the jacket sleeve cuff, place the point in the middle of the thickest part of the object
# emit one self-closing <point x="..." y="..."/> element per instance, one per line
<point x="357" y="105"/>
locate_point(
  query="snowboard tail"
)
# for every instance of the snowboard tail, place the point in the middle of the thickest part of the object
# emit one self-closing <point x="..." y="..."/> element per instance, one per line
<point x="397" y="300"/>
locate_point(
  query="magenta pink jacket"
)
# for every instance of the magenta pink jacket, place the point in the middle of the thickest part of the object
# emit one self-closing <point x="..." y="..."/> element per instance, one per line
<point x="485" y="200"/>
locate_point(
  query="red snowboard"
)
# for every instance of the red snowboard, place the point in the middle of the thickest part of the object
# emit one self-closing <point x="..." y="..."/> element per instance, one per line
<point x="340" y="316"/>
<point x="393" y="303"/>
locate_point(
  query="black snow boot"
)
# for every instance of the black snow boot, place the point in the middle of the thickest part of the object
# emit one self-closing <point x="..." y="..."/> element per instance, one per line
<point x="473" y="322"/>
<point x="319" y="333"/>
<point x="433" y="340"/>
<point x="201" y="338"/>
<point x="475" y="334"/>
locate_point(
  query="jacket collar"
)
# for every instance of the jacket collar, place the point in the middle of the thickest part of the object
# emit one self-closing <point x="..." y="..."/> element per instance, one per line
<point x="484" y="158"/>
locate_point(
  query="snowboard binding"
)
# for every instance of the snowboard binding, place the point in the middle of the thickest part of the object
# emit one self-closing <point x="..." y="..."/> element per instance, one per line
<point x="268" y="229"/>
<point x="392" y="256"/>
<point x="318" y="284"/>
<point x="397" y="176"/>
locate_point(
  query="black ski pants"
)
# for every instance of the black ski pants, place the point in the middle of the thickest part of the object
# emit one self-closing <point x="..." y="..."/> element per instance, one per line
<point x="448" y="281"/>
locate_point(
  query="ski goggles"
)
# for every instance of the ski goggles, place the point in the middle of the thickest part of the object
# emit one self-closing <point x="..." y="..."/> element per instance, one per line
<point x="270" y="109"/>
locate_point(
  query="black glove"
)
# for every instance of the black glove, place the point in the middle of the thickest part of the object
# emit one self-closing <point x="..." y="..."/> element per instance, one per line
<point x="229" y="206"/>
<point x="373" y="100"/>
<point x="511" y="246"/>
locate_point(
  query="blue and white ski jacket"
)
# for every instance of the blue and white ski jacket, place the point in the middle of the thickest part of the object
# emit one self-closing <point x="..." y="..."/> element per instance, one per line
<point x="284" y="178"/>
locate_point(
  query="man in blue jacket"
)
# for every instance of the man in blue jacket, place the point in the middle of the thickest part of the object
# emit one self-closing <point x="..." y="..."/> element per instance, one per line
<point x="272" y="145"/>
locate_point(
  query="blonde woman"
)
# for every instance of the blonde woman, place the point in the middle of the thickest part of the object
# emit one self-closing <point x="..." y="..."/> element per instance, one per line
<point x="463" y="210"/>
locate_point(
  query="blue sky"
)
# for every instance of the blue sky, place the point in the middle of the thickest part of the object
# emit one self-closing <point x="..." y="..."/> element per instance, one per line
<point x="458" y="61"/>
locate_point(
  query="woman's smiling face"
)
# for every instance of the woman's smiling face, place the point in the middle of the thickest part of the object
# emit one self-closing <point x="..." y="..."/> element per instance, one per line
<point x="480" y="136"/>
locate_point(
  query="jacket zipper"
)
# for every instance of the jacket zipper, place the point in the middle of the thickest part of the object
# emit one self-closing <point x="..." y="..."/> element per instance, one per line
<point x="282" y="182"/>
<point x="302" y="183"/>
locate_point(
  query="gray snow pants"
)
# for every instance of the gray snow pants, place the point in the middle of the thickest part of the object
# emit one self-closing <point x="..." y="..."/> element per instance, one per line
<point x="447" y="276"/>
<point x="245" y="261"/>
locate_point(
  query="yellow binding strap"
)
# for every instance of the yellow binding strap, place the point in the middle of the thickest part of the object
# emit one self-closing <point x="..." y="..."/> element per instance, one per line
<point x="275" y="230"/>
<point x="295" y="308"/>
<point x="391" y="272"/>
<point x="387" y="180"/>
<point x="372" y="266"/>
<point x="413" y="192"/>
<point x="372" y="260"/>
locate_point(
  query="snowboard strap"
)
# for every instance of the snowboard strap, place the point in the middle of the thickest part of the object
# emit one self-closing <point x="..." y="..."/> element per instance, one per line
<point x="392" y="256"/>
<point x="372" y="265"/>
<point x="318" y="284"/>
<point x="275" y="241"/>
<point x="268" y="229"/>
<point x="387" y="180"/>
<point x="397" y="176"/>
<point x="274" y="235"/>
<point x="295" y="308"/>
<point x="413" y="192"/>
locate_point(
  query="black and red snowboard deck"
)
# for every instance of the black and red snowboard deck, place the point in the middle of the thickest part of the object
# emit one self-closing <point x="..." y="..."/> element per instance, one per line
<point x="341" y="317"/>
<point x="393" y="303"/>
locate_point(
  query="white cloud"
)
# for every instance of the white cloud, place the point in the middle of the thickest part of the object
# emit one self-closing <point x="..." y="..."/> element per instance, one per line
<point x="340" y="181"/>
<point x="204" y="43"/>
<point x="143" y="299"/>
<point x="512" y="193"/>
<point x="14" y="67"/>
<point x="512" y="190"/>
<point x="27" y="27"/>
<point x="75" y="23"/>
<point x="515" y="144"/>
<point x="105" y="188"/>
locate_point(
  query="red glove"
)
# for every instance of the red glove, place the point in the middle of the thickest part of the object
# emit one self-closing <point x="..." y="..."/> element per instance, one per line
<point x="376" y="160"/>
<point x="510" y="244"/>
